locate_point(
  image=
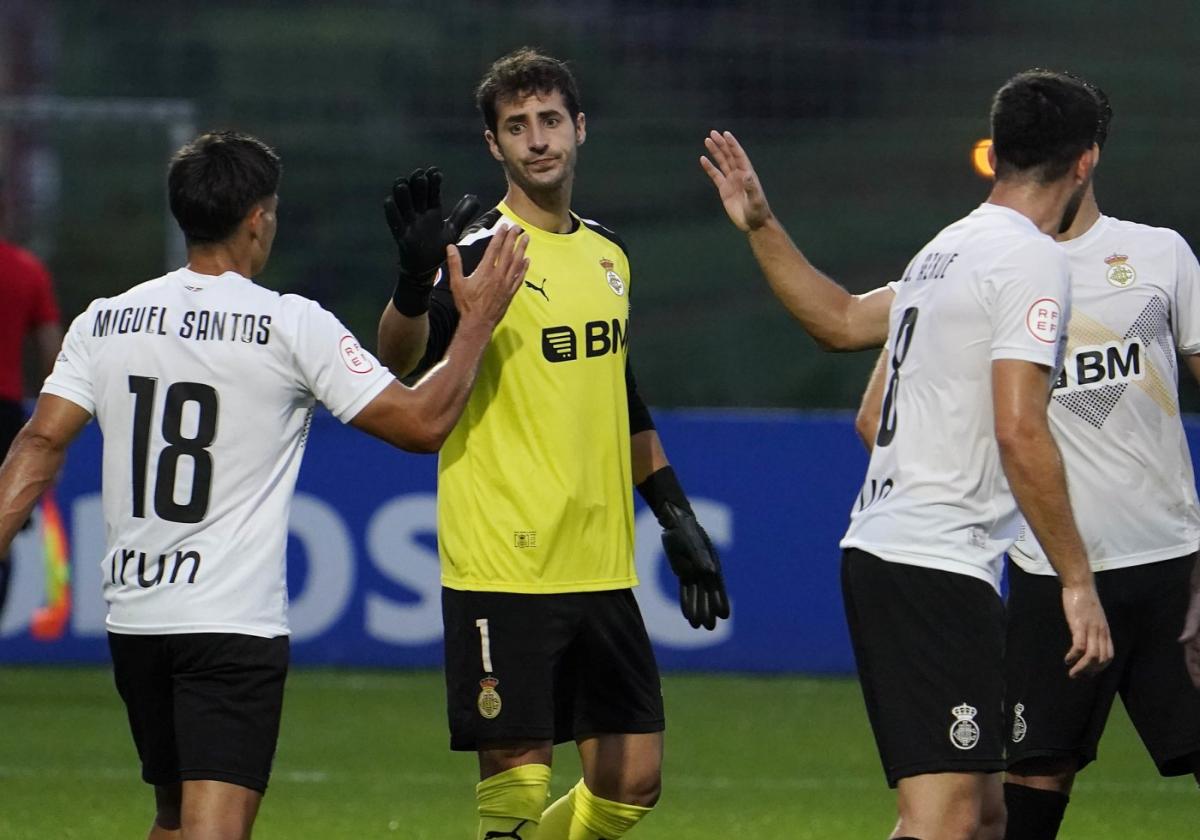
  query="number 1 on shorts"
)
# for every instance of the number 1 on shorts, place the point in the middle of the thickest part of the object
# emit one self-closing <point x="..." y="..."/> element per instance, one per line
<point x="485" y="644"/>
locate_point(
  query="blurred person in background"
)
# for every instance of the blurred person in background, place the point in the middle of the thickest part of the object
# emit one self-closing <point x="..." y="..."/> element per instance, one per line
<point x="960" y="440"/>
<point x="204" y="384"/>
<point x="544" y="639"/>
<point x="1115" y="415"/>
<point x="28" y="316"/>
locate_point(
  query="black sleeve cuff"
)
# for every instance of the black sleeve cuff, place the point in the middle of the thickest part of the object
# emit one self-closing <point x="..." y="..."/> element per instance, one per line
<point x="660" y="488"/>
<point x="411" y="296"/>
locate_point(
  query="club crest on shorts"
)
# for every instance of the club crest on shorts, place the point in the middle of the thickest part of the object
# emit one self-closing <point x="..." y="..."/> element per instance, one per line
<point x="489" y="701"/>
<point x="1120" y="272"/>
<point x="964" y="732"/>
<point x="1019" y="725"/>
<point x="614" y="280"/>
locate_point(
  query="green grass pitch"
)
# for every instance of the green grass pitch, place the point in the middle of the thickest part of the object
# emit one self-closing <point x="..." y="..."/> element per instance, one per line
<point x="363" y="754"/>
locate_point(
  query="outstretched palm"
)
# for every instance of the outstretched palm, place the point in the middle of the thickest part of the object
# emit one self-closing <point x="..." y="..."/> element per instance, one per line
<point x="734" y="177"/>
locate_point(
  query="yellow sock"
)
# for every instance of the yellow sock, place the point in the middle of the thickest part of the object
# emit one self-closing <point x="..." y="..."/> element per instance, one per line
<point x="511" y="803"/>
<point x="581" y="815"/>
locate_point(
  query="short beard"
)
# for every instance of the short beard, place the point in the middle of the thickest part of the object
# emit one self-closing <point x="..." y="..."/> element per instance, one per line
<point x="533" y="188"/>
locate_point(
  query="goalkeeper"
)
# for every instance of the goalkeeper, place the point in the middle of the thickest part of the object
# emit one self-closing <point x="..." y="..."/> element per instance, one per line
<point x="544" y="640"/>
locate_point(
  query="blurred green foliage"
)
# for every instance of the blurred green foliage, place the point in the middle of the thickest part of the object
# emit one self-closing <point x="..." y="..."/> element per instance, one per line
<point x="860" y="116"/>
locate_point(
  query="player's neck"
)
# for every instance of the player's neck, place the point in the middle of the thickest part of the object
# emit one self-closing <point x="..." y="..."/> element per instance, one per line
<point x="1088" y="215"/>
<point x="1041" y="204"/>
<point x="218" y="258"/>
<point x="549" y="211"/>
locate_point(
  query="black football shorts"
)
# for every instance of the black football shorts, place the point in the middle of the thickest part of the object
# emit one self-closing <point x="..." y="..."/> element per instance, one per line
<point x="202" y="705"/>
<point x="555" y="667"/>
<point x="929" y="646"/>
<point x="1053" y="716"/>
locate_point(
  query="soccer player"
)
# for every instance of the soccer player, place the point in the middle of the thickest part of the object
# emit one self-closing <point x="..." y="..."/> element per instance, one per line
<point x="30" y="311"/>
<point x="544" y="640"/>
<point x="1115" y="416"/>
<point x="204" y="385"/>
<point x="975" y="328"/>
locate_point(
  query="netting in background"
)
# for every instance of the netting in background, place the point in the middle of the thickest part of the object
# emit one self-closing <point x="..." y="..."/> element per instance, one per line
<point x="860" y="116"/>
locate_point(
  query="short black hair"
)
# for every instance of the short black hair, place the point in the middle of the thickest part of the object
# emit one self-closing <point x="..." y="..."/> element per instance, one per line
<point x="521" y="73"/>
<point x="1106" y="111"/>
<point x="1042" y="121"/>
<point x="216" y="179"/>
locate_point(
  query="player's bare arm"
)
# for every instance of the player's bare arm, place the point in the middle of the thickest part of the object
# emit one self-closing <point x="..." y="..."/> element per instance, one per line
<point x="836" y="319"/>
<point x="402" y="340"/>
<point x="34" y="460"/>
<point x="866" y="422"/>
<point x="1034" y="468"/>
<point x="414" y="215"/>
<point x="419" y="418"/>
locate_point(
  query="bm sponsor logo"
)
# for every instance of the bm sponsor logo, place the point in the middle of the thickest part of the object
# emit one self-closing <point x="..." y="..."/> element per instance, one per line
<point x="598" y="338"/>
<point x="1096" y="366"/>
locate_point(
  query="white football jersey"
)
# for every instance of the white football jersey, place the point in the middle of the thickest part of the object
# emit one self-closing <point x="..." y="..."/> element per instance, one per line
<point x="990" y="286"/>
<point x="1115" y="408"/>
<point x="204" y="389"/>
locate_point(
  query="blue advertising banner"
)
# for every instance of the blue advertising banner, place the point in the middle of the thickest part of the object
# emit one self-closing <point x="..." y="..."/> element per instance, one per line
<point x="773" y="490"/>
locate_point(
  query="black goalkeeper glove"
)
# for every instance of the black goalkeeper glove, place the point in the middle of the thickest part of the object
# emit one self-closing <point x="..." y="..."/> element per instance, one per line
<point x="690" y="552"/>
<point x="414" y="214"/>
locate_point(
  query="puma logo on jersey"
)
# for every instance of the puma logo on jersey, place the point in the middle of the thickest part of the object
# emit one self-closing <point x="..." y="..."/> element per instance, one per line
<point x="1099" y="365"/>
<point x="515" y="833"/>
<point x="541" y="290"/>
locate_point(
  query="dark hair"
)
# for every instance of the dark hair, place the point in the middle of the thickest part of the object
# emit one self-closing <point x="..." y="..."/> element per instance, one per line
<point x="522" y="73"/>
<point x="216" y="179"/>
<point x="1042" y="121"/>
<point x="1106" y="111"/>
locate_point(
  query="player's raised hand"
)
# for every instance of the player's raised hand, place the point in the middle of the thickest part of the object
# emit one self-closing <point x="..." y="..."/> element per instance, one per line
<point x="414" y="215"/>
<point x="694" y="561"/>
<point x="1091" y="645"/>
<point x="736" y="182"/>
<point x="485" y="295"/>
<point x="1191" y="630"/>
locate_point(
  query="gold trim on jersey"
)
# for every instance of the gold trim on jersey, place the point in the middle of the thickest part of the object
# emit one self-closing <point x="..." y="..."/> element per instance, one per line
<point x="1085" y="331"/>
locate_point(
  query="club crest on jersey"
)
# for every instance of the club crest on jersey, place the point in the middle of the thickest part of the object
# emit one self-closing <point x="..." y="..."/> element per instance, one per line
<point x="1019" y="725"/>
<point x="1120" y="272"/>
<point x="489" y="702"/>
<point x="614" y="280"/>
<point x="964" y="732"/>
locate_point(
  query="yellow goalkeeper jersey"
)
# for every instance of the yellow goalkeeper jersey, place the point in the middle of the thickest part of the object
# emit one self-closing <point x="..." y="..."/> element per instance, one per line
<point x="535" y="486"/>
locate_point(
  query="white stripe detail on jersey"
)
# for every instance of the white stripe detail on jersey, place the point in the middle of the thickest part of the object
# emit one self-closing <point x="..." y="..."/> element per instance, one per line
<point x="501" y="223"/>
<point x="594" y="223"/>
<point x="471" y="238"/>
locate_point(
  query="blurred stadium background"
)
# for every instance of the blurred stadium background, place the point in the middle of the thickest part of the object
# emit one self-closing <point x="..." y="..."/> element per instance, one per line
<point x="860" y="115"/>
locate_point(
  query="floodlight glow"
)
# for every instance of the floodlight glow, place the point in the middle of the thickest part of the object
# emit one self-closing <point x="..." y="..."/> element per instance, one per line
<point x="979" y="159"/>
